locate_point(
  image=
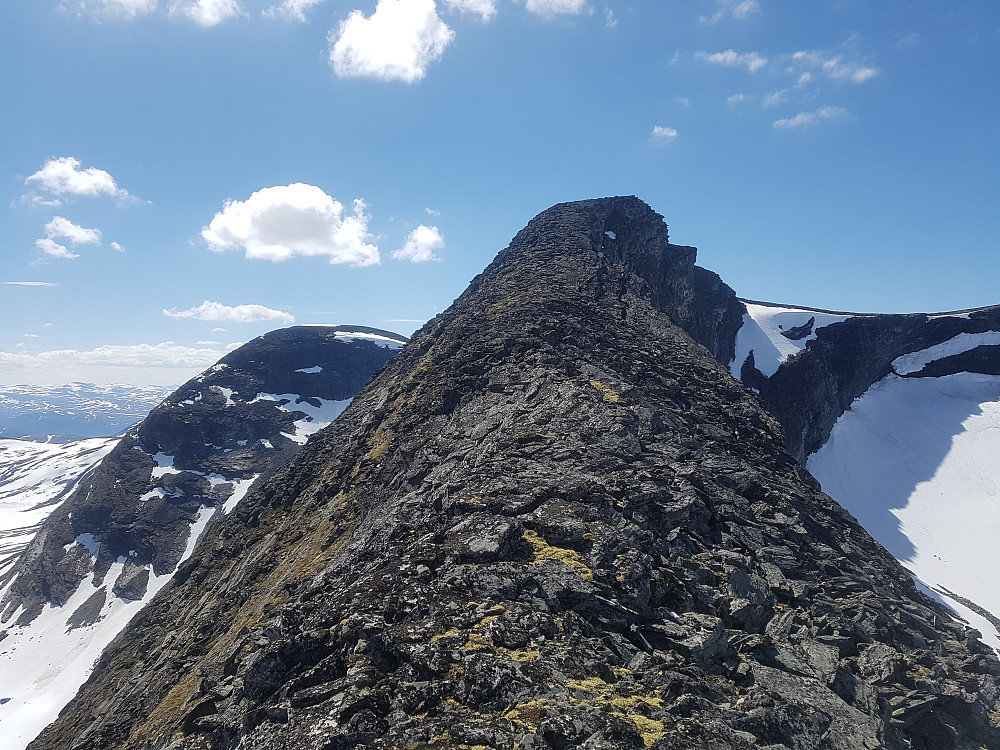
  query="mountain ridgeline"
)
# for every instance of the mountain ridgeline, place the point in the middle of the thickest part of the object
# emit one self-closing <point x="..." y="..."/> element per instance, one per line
<point x="554" y="520"/>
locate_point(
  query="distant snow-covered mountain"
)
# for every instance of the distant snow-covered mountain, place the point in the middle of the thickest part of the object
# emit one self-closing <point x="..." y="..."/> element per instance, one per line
<point x="77" y="410"/>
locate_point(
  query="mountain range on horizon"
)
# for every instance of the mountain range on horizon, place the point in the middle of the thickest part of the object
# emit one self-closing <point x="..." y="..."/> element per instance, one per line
<point x="554" y="519"/>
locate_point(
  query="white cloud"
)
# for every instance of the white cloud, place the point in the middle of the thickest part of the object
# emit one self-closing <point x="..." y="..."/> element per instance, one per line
<point x="163" y="363"/>
<point x="752" y="61"/>
<point x="609" y="18"/>
<point x="65" y="229"/>
<point x="278" y="223"/>
<point x="420" y="245"/>
<point x="738" y="9"/>
<point x="736" y="99"/>
<point x="432" y="212"/>
<point x="50" y="247"/>
<point x="485" y="8"/>
<point x="31" y="283"/>
<point x="128" y="8"/>
<point x="30" y="336"/>
<point x="208" y="343"/>
<point x="208" y="12"/>
<point x="810" y="118"/>
<point x="216" y="311"/>
<point x="556" y="7"/>
<point x="63" y="175"/>
<point x="398" y="42"/>
<point x="116" y="246"/>
<point x="60" y="226"/>
<point x="291" y="9"/>
<point x="218" y="330"/>
<point x="836" y="67"/>
<point x="662" y="134"/>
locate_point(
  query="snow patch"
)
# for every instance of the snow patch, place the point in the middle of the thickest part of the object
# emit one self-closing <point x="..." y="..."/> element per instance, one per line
<point x="761" y="334"/>
<point x="611" y="235"/>
<point x="88" y="542"/>
<point x="963" y="342"/>
<point x="311" y="370"/>
<point x="164" y="465"/>
<point x="915" y="461"/>
<point x="227" y="392"/>
<point x="240" y="489"/>
<point x="316" y="417"/>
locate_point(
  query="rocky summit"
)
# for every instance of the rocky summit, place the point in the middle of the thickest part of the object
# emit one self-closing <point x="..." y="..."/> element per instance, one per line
<point x="555" y="520"/>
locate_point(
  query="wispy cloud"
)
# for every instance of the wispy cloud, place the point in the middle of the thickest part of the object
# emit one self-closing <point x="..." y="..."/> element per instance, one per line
<point x="281" y="222"/>
<point x="294" y="10"/>
<point x="216" y="311"/>
<point x="128" y="8"/>
<point x="31" y="283"/>
<point x="835" y="67"/>
<point x="420" y="245"/>
<point x="752" y="61"/>
<point x="803" y="119"/>
<point x="662" y="134"/>
<point x="164" y="355"/>
<point x="738" y="9"/>
<point x="207" y="12"/>
<point x="397" y="42"/>
<point x="486" y="9"/>
<point x="556" y="7"/>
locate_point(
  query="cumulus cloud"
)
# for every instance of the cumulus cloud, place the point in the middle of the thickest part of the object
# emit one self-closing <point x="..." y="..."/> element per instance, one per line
<point x="216" y="311"/>
<point x="52" y="248"/>
<point x="738" y="9"/>
<point x="116" y="246"/>
<point x="485" y="8"/>
<point x="291" y="9"/>
<point x="752" y="61"/>
<point x="835" y="67"/>
<point x="736" y="99"/>
<point x="128" y="8"/>
<point x="810" y="118"/>
<point x="556" y="7"/>
<point x="662" y="134"/>
<point x="398" y="42"/>
<point x="278" y="223"/>
<point x="208" y="12"/>
<point x="64" y="229"/>
<point x="420" y="245"/>
<point x="64" y="176"/>
<point x="31" y="283"/>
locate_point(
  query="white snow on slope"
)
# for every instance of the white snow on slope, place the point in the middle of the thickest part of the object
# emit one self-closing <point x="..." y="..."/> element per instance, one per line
<point x="34" y="479"/>
<point x="963" y="342"/>
<point x="917" y="462"/>
<point x="310" y="370"/>
<point x="761" y="334"/>
<point x="43" y="665"/>
<point x="316" y="418"/>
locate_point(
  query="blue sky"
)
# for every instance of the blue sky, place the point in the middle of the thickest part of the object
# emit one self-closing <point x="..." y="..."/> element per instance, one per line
<point x="178" y="176"/>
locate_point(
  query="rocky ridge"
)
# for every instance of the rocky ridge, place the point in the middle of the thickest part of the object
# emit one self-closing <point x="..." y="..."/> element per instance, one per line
<point x="553" y="521"/>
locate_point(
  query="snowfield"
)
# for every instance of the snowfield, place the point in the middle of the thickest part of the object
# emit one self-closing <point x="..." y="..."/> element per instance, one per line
<point x="917" y="462"/>
<point x="34" y="479"/>
<point x="762" y="334"/>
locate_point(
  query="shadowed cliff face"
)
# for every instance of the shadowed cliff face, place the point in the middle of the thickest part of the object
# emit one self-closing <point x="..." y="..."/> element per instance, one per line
<point x="553" y="521"/>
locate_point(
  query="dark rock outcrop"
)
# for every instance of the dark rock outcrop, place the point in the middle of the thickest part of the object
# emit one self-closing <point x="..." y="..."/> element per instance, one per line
<point x="554" y="521"/>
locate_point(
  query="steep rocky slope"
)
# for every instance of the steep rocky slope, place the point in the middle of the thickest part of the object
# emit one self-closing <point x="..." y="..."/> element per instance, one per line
<point x="553" y="521"/>
<point x="899" y="417"/>
<point x="100" y="556"/>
